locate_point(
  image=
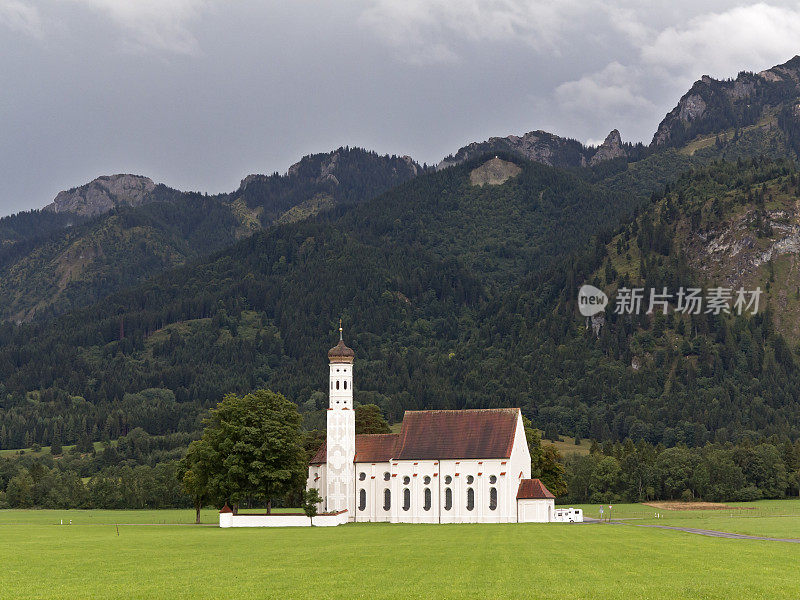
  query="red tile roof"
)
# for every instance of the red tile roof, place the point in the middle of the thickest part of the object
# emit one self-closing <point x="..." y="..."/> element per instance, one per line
<point x="440" y="434"/>
<point x="321" y="457"/>
<point x="533" y="489"/>
<point x="378" y="447"/>
<point x="449" y="434"/>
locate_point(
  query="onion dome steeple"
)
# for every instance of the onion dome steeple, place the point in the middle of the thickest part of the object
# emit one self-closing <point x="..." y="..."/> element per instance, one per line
<point x="340" y="353"/>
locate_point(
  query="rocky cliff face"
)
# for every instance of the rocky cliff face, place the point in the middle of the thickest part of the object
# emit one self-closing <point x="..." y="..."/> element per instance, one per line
<point x="611" y="148"/>
<point x="542" y="147"/>
<point x="538" y="146"/>
<point x="493" y="172"/>
<point x="104" y="194"/>
<point x="713" y="105"/>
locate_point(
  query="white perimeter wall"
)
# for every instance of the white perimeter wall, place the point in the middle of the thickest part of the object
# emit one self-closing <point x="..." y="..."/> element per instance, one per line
<point x="279" y="520"/>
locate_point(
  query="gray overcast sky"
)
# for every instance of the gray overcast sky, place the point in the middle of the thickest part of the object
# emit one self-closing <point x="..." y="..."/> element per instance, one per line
<point x="199" y="93"/>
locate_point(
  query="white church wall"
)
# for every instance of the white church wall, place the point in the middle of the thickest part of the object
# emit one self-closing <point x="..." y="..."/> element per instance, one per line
<point x="519" y="466"/>
<point x="317" y="479"/>
<point x="416" y="477"/>
<point x="479" y="475"/>
<point x="536" y="511"/>
<point x="373" y="484"/>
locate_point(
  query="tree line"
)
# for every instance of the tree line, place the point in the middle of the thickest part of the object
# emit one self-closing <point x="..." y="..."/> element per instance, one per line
<point x="641" y="472"/>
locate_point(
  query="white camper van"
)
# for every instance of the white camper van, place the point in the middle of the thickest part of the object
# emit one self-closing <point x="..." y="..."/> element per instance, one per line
<point x="568" y="515"/>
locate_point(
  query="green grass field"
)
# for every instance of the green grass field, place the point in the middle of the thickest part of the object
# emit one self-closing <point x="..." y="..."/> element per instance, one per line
<point x="157" y="554"/>
<point x="769" y="518"/>
<point x="45" y="450"/>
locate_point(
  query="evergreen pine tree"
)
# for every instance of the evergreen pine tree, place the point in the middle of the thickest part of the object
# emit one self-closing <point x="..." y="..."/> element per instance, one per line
<point x="55" y="444"/>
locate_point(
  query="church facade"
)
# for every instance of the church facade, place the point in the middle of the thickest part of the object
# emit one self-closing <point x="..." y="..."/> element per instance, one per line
<point x="445" y="466"/>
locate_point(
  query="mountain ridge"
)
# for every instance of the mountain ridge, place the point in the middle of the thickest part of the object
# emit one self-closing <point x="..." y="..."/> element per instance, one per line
<point x="113" y="240"/>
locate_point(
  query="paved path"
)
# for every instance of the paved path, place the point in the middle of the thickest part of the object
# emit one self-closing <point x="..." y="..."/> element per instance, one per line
<point x="719" y="534"/>
<point x="706" y="532"/>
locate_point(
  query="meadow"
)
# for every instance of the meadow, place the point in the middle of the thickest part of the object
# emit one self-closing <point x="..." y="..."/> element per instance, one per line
<point x="159" y="554"/>
<point x="769" y="518"/>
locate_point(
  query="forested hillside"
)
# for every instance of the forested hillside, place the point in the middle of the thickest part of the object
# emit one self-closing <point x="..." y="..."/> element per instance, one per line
<point x="454" y="296"/>
<point x="457" y="290"/>
<point x="52" y="262"/>
<point x="415" y="274"/>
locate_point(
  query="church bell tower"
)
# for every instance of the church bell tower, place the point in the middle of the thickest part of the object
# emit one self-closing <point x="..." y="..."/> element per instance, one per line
<point x="341" y="434"/>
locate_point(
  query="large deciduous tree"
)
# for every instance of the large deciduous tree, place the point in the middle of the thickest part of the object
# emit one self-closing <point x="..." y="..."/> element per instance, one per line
<point x="546" y="461"/>
<point x="194" y="471"/>
<point x="254" y="447"/>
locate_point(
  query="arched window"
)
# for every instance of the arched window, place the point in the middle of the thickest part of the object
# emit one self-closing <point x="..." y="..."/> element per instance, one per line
<point x="493" y="479"/>
<point x="331" y="385"/>
<point x="362" y="500"/>
<point x="426" y="480"/>
<point x="470" y="498"/>
<point x="448" y="480"/>
<point x="427" y="505"/>
<point x="337" y="384"/>
<point x="448" y="498"/>
<point x="362" y="476"/>
<point x="406" y="480"/>
<point x="386" y="476"/>
<point x="387" y="499"/>
<point x="345" y="384"/>
<point x="492" y="498"/>
<point x="470" y="479"/>
<point x="406" y="499"/>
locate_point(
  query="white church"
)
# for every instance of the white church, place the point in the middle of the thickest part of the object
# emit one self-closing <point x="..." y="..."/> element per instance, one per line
<point x="445" y="466"/>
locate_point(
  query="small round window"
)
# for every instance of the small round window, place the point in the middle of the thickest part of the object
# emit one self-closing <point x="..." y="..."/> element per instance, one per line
<point x="362" y="476"/>
<point x="470" y="479"/>
<point x="406" y="480"/>
<point x="448" y="480"/>
<point x="386" y="476"/>
<point x="493" y="479"/>
<point x="427" y="479"/>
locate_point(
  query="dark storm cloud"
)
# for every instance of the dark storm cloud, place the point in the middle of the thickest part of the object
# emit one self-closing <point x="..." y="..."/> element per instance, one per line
<point x="199" y="93"/>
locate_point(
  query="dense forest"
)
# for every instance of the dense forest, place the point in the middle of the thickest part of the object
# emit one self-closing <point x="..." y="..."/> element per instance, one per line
<point x="412" y="286"/>
<point x="453" y="296"/>
<point x="640" y="472"/>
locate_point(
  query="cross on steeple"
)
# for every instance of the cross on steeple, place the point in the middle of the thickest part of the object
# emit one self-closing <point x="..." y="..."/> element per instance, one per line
<point x="340" y="329"/>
